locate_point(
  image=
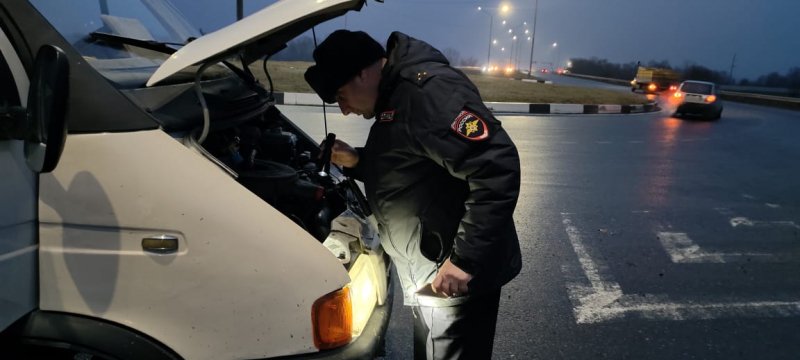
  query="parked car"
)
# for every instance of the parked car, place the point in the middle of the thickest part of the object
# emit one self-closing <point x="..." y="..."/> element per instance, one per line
<point x="698" y="98"/>
<point x="186" y="217"/>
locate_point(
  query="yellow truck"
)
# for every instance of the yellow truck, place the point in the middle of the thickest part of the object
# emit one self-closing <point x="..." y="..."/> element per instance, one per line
<point x="651" y="80"/>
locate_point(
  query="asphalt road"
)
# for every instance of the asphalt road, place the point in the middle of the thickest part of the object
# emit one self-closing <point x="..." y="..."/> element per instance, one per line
<point x="644" y="236"/>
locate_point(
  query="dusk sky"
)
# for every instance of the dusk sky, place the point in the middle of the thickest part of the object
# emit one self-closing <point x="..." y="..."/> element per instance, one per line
<point x="762" y="33"/>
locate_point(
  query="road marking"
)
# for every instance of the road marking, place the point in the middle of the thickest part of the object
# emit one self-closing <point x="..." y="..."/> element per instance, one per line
<point x="748" y="196"/>
<point x="18" y="252"/>
<point x="682" y="250"/>
<point x="635" y="142"/>
<point x="743" y="221"/>
<point x="602" y="299"/>
<point x="605" y="142"/>
<point x="774" y="206"/>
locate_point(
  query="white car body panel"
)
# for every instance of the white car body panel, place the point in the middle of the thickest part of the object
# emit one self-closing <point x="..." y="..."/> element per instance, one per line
<point x="17" y="212"/>
<point x="258" y="25"/>
<point x="205" y="301"/>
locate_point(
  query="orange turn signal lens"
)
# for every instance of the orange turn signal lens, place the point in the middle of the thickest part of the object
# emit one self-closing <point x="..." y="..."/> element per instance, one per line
<point x="332" y="319"/>
<point x="651" y="87"/>
<point x="678" y="94"/>
<point x="711" y="98"/>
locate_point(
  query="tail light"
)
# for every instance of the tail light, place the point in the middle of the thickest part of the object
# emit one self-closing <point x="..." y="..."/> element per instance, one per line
<point x="332" y="319"/>
<point x="652" y="87"/>
<point x="673" y="88"/>
<point x="711" y="98"/>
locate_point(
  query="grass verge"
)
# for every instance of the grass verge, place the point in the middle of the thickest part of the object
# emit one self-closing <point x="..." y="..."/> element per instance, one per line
<point x="288" y="77"/>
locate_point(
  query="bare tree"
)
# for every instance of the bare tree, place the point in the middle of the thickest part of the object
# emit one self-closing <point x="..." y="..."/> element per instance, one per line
<point x="470" y="61"/>
<point x="452" y="55"/>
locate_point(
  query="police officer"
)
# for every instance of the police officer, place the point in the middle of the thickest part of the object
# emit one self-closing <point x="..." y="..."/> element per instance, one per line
<point x="442" y="178"/>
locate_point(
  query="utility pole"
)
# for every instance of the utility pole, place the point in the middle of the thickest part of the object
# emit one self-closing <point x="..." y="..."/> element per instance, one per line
<point x="533" y="37"/>
<point x="730" y="73"/>
<point x="491" y="26"/>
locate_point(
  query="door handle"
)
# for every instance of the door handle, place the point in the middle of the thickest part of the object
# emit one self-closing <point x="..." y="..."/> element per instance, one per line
<point x="160" y="244"/>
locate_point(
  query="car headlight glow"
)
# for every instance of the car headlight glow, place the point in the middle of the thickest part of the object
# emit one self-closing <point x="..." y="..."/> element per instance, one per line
<point x="363" y="292"/>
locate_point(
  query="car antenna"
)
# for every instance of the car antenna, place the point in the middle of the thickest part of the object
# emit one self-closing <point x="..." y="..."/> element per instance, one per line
<point x="324" y="108"/>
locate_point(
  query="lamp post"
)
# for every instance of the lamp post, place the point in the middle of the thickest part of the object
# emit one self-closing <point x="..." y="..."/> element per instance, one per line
<point x="533" y="36"/>
<point x="511" y="53"/>
<point x="513" y="31"/>
<point x="555" y="54"/>
<point x="502" y="9"/>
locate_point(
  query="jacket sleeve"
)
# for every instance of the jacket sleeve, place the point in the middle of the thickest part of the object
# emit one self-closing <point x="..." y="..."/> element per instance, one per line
<point x="485" y="158"/>
<point x="358" y="171"/>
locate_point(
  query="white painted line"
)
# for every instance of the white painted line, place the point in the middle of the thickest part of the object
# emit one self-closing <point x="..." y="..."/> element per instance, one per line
<point x="635" y="142"/>
<point x="743" y="221"/>
<point x="774" y="206"/>
<point x="640" y="211"/>
<point x="18" y="252"/>
<point x="602" y="299"/>
<point x="682" y="250"/>
<point x="603" y="290"/>
<point x="605" y="142"/>
<point x="748" y="196"/>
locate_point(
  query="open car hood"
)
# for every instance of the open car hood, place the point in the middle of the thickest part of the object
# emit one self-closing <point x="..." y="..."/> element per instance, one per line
<point x="262" y="33"/>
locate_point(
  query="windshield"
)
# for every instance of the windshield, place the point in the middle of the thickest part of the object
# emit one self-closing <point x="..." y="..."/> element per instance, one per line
<point x="123" y="62"/>
<point x="696" y="88"/>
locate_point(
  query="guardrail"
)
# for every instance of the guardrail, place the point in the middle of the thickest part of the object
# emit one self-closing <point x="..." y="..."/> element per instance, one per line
<point x="759" y="99"/>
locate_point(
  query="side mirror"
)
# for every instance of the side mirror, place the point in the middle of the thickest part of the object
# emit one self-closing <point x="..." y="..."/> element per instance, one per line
<point x="47" y="110"/>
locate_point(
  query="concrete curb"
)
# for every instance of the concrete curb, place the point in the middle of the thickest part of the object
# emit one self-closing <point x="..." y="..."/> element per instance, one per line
<point x="537" y="81"/>
<point x="525" y="108"/>
<point x="310" y="99"/>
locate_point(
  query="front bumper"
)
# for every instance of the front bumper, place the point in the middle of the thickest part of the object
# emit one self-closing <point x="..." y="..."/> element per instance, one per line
<point x="372" y="340"/>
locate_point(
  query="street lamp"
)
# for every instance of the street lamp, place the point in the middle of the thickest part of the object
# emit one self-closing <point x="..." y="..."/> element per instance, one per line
<point x="555" y="55"/>
<point x="503" y="9"/>
<point x="516" y="30"/>
<point x="511" y="53"/>
<point x="533" y="36"/>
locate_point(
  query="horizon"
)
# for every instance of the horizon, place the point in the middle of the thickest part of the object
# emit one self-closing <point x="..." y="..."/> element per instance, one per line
<point x="682" y="32"/>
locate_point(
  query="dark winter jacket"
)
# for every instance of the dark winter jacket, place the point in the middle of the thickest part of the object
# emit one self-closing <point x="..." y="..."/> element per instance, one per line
<point x="440" y="173"/>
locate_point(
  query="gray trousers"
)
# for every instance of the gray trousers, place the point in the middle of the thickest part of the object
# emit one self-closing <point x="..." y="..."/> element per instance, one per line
<point x="464" y="331"/>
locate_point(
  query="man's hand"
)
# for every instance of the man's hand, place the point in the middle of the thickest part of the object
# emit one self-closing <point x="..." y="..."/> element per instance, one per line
<point x="343" y="154"/>
<point x="451" y="280"/>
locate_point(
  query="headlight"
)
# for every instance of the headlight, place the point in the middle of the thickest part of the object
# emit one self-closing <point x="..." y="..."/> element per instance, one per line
<point x="363" y="292"/>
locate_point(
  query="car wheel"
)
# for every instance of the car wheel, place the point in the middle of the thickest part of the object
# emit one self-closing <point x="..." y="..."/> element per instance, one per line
<point x="718" y="115"/>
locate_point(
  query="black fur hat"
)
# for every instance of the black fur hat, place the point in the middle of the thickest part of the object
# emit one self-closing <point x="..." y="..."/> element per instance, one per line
<point x="340" y="58"/>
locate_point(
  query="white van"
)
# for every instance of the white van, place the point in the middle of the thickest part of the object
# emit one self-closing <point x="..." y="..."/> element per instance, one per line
<point x="186" y="216"/>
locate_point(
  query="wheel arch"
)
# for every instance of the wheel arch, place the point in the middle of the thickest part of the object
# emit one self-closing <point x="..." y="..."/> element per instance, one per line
<point x="81" y="333"/>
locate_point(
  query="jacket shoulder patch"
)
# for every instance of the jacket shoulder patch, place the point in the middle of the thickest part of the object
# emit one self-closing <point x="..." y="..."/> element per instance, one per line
<point x="386" y="116"/>
<point x="470" y="126"/>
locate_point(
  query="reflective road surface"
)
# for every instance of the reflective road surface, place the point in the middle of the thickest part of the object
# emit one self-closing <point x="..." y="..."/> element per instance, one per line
<point x="644" y="236"/>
